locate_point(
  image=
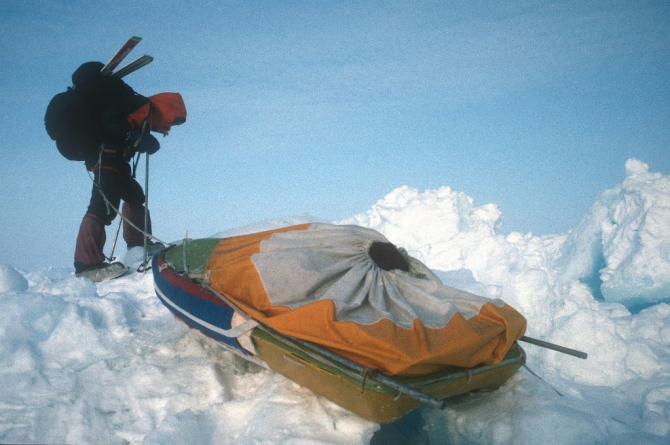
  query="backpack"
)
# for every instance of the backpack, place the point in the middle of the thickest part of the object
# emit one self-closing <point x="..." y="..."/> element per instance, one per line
<point x="74" y="118"/>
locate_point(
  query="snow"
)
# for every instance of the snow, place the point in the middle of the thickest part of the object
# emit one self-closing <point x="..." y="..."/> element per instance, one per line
<point x="107" y="363"/>
<point x="11" y="279"/>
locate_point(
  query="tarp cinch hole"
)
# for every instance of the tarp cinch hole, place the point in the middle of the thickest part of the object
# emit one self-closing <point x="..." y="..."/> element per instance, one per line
<point x="387" y="256"/>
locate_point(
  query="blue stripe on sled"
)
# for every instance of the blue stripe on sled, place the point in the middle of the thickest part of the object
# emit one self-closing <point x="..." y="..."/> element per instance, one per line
<point x="212" y="319"/>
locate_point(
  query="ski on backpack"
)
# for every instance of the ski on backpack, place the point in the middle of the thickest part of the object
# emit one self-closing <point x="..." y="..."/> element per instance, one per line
<point x="120" y="55"/>
<point x="133" y="66"/>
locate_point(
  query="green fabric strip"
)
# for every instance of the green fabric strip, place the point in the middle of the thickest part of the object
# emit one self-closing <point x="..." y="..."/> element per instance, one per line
<point x="198" y="252"/>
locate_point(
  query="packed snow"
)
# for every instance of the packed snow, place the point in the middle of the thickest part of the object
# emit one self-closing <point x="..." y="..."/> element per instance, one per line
<point x="107" y="363"/>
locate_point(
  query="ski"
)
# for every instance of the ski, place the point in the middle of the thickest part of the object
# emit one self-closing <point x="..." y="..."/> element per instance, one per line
<point x="133" y="66"/>
<point x="110" y="272"/>
<point x="120" y="55"/>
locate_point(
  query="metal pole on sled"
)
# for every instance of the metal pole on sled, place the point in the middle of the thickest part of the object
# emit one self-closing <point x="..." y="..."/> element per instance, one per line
<point x="553" y="347"/>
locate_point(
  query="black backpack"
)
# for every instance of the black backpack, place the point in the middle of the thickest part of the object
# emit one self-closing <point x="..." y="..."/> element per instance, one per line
<point x="74" y="118"/>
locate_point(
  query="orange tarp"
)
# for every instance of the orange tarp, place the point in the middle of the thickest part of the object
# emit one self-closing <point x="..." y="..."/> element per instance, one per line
<point x="396" y="348"/>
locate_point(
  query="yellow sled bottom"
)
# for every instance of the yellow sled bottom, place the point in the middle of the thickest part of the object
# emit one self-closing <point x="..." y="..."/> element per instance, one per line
<point x="363" y="395"/>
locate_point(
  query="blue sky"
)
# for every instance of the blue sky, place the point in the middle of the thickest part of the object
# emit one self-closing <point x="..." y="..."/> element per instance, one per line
<point x="324" y="107"/>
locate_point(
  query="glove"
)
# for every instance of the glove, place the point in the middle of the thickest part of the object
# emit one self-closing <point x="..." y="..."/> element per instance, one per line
<point x="143" y="143"/>
<point x="148" y="144"/>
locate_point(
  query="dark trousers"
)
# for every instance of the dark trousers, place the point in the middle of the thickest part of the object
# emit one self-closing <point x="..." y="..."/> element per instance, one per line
<point x="113" y="178"/>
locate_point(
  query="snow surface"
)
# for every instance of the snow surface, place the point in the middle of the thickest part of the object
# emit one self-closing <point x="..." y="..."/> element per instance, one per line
<point x="107" y="363"/>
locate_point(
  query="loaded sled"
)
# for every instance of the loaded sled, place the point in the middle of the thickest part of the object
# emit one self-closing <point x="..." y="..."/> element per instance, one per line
<point x="343" y="312"/>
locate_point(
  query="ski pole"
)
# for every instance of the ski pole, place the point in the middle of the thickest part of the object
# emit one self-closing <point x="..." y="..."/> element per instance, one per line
<point x="118" y="229"/>
<point x="146" y="209"/>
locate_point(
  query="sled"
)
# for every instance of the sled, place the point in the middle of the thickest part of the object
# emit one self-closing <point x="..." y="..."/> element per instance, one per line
<point x="187" y="282"/>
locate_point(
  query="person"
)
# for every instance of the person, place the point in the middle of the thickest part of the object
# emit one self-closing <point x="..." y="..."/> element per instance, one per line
<point x="113" y="179"/>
